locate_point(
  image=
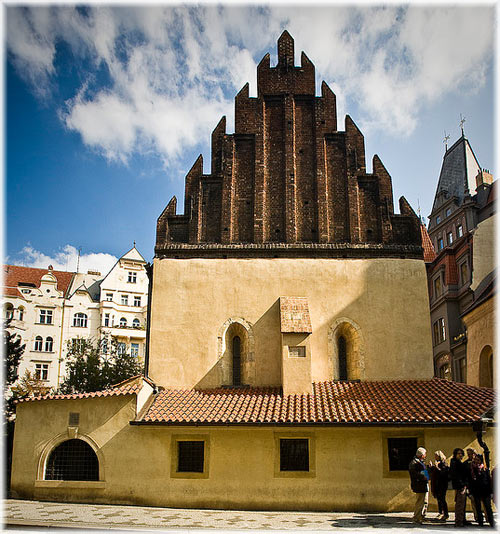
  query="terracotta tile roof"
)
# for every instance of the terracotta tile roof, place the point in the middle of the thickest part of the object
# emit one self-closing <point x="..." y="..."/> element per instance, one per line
<point x="294" y="315"/>
<point x="429" y="253"/>
<point x="13" y="274"/>
<point x="435" y="401"/>
<point x="127" y="389"/>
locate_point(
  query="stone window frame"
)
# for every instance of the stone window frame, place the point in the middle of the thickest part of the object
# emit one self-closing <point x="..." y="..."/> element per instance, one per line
<point x="311" y="437"/>
<point x="336" y="329"/>
<point x="225" y="363"/>
<point x="64" y="485"/>
<point x="174" y="455"/>
<point x="398" y="433"/>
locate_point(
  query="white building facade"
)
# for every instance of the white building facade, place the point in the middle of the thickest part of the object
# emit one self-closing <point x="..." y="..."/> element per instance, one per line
<point x="50" y="308"/>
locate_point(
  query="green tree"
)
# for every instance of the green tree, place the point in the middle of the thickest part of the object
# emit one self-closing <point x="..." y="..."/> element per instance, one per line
<point x="91" y="368"/>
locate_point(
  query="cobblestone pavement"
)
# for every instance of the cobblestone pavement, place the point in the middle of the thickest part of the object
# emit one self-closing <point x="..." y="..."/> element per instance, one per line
<point x="38" y="516"/>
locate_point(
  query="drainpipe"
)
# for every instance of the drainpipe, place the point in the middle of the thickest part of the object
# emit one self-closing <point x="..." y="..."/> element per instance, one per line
<point x="149" y="272"/>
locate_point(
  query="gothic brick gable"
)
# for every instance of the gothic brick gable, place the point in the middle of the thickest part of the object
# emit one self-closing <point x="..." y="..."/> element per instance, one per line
<point x="287" y="180"/>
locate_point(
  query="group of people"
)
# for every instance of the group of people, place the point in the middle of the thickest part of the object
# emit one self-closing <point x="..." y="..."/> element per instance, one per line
<point x="470" y="478"/>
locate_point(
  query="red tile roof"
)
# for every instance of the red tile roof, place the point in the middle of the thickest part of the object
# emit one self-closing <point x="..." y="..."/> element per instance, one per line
<point x="128" y="389"/>
<point x="434" y="401"/>
<point x="13" y="274"/>
<point x="294" y="315"/>
<point x="429" y="253"/>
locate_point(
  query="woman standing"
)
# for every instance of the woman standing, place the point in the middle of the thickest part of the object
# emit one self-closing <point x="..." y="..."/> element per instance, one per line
<point x="439" y="483"/>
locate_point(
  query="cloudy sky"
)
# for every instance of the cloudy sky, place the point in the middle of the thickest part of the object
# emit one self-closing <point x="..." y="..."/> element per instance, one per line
<point x="108" y="107"/>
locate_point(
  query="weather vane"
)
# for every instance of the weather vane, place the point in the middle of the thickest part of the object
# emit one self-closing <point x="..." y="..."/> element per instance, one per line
<point x="462" y="121"/>
<point x="446" y="139"/>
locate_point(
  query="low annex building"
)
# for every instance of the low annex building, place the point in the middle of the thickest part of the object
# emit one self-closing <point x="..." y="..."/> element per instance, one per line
<point x="289" y="356"/>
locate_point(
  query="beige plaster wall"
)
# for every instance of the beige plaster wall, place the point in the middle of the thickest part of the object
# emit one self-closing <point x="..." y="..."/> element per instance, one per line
<point x="192" y="299"/>
<point x="483" y="255"/>
<point x="480" y="324"/>
<point x="348" y="465"/>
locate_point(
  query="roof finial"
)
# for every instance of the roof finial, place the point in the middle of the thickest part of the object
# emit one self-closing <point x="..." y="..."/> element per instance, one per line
<point x="462" y="121"/>
<point x="134" y="243"/>
<point x="446" y="139"/>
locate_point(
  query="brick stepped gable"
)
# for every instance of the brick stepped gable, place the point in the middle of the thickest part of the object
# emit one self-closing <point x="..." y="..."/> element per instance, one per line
<point x="287" y="182"/>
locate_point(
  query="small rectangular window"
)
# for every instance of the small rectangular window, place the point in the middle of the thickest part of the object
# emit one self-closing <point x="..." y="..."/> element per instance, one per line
<point x="401" y="452"/>
<point x="46" y="316"/>
<point x="121" y="348"/>
<point x="440" y="243"/>
<point x="137" y="301"/>
<point x="296" y="352"/>
<point x="132" y="277"/>
<point x="437" y="287"/>
<point x="190" y="457"/>
<point x="438" y="219"/>
<point x="294" y="455"/>
<point x="74" y="419"/>
<point x="134" y="349"/>
<point x="448" y="212"/>
<point x="449" y="237"/>
<point x="109" y="297"/>
<point x="41" y="371"/>
<point x="106" y="319"/>
<point x="464" y="273"/>
<point x="460" y="231"/>
<point x="124" y="300"/>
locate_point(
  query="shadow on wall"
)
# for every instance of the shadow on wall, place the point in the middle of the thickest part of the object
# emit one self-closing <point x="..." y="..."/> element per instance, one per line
<point x="256" y="343"/>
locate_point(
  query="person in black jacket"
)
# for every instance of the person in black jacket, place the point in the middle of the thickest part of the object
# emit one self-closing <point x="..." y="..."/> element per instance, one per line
<point x="480" y="488"/>
<point x="439" y="483"/>
<point x="419" y="484"/>
<point x="459" y="477"/>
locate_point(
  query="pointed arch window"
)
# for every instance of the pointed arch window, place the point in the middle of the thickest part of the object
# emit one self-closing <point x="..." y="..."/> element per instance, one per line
<point x="236" y="361"/>
<point x="342" y="351"/>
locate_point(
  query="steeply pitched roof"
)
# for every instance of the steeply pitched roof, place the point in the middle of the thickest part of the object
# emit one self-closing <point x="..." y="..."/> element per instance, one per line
<point x="429" y="253"/>
<point x="14" y="274"/>
<point x="133" y="254"/>
<point x="458" y="173"/>
<point x="434" y="401"/>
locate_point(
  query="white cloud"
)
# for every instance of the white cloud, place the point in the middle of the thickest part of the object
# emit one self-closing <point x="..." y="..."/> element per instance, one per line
<point x="173" y="71"/>
<point x="66" y="259"/>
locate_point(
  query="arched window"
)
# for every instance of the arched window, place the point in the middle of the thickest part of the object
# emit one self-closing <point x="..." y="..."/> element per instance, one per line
<point x="342" y="349"/>
<point x="486" y="372"/>
<point x="9" y="311"/>
<point x="20" y="311"/>
<point x="49" y="343"/>
<point x="80" y="319"/>
<point x="38" y="343"/>
<point x="136" y="323"/>
<point x="236" y="361"/>
<point x="123" y="322"/>
<point x="72" y="460"/>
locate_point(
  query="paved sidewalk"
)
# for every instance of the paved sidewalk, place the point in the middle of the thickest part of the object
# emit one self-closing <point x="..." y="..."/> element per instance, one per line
<point x="38" y="516"/>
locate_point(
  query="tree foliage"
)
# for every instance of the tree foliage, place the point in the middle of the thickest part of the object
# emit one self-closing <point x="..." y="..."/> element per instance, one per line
<point x="88" y="369"/>
<point x="13" y="350"/>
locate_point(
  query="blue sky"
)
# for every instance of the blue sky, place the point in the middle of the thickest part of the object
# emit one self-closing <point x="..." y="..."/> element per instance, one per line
<point x="107" y="108"/>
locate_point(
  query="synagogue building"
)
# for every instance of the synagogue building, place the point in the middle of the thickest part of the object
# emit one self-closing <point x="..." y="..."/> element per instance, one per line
<point x="289" y="361"/>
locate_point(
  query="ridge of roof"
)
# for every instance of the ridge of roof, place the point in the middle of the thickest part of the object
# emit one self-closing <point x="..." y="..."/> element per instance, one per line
<point x="429" y="252"/>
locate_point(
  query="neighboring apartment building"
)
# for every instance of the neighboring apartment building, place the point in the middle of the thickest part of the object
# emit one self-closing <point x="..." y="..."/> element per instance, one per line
<point x="463" y="200"/>
<point x="49" y="308"/>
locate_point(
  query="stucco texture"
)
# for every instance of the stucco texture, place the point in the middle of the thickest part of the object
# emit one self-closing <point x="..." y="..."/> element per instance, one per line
<point x="348" y="466"/>
<point x="383" y="302"/>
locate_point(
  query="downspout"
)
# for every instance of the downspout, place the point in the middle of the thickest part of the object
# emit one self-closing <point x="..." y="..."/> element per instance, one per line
<point x="149" y="272"/>
<point x="61" y="342"/>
